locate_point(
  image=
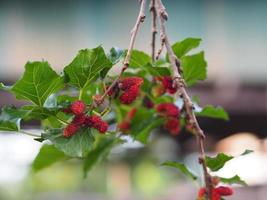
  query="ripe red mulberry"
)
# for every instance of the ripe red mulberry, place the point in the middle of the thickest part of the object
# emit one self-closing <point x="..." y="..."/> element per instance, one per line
<point x="224" y="191"/>
<point x="124" y="126"/>
<point x="128" y="82"/>
<point x="173" y="126"/>
<point x="79" y="119"/>
<point x="168" y="109"/>
<point x="167" y="82"/>
<point x="70" y="130"/>
<point x="130" y="95"/>
<point x="77" y="107"/>
<point x="97" y="123"/>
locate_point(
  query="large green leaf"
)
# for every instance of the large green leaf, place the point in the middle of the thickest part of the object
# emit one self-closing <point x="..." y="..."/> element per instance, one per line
<point x="183" y="47"/>
<point x="181" y="167"/>
<point x="233" y="180"/>
<point x="38" y="83"/>
<point x="213" y="112"/>
<point x="10" y="118"/>
<point x="216" y="163"/>
<point x="139" y="59"/>
<point x="102" y="147"/>
<point x="194" y="68"/>
<point x="47" y="156"/>
<point x="78" y="145"/>
<point x="86" y="67"/>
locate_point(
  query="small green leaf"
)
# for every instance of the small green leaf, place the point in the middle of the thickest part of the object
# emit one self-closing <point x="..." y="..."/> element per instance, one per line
<point x="213" y="112"/>
<point x="100" y="151"/>
<point x="116" y="54"/>
<point x="78" y="145"/>
<point x="216" y="163"/>
<point x="247" y="151"/>
<point x="86" y="67"/>
<point x="139" y="59"/>
<point x="194" y="68"/>
<point x="181" y="167"/>
<point x="156" y="71"/>
<point x="233" y="180"/>
<point x="183" y="47"/>
<point x="143" y="123"/>
<point x="47" y="156"/>
<point x="38" y="83"/>
<point x="10" y="118"/>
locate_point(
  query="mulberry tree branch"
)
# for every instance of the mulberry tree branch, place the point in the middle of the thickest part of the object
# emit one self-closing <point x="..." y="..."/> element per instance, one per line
<point x="140" y="19"/>
<point x="153" y="12"/>
<point x="188" y="105"/>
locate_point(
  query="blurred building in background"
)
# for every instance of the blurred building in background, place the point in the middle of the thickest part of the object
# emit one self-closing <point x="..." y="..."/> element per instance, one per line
<point x="234" y="38"/>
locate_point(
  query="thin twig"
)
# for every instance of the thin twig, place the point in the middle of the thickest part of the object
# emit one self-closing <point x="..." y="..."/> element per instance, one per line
<point x="153" y="12"/>
<point x="140" y="19"/>
<point x="188" y="105"/>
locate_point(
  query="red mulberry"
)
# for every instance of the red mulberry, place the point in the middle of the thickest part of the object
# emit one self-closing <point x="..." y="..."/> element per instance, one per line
<point x="173" y="126"/>
<point x="124" y="126"/>
<point x="224" y="191"/>
<point x="128" y="82"/>
<point x="70" y="130"/>
<point x="77" y="107"/>
<point x="168" y="109"/>
<point x="167" y="82"/>
<point x="97" y="123"/>
<point x="79" y="119"/>
<point x="130" y="95"/>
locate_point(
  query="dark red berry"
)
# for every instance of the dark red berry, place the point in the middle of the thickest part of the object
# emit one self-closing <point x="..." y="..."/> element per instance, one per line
<point x="70" y="130"/>
<point x="130" y="95"/>
<point x="167" y="82"/>
<point x="224" y="191"/>
<point x="97" y="123"/>
<point x="79" y="119"/>
<point x="128" y="82"/>
<point x="124" y="126"/>
<point x="77" y="107"/>
<point x="173" y="126"/>
<point x="201" y="192"/>
<point x="168" y="109"/>
<point x="148" y="103"/>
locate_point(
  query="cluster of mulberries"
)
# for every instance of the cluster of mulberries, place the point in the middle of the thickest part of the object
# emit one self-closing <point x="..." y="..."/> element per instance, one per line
<point x="171" y="113"/>
<point x="125" y="125"/>
<point x="130" y="88"/>
<point x="82" y="120"/>
<point x="166" y="85"/>
<point x="217" y="192"/>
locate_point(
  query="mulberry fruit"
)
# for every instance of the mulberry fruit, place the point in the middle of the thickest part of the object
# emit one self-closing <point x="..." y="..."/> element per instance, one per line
<point x="97" y="123"/>
<point x="130" y="95"/>
<point x="168" y="109"/>
<point x="70" y="130"/>
<point x="128" y="82"/>
<point x="173" y="126"/>
<point x="77" y="107"/>
<point x="167" y="82"/>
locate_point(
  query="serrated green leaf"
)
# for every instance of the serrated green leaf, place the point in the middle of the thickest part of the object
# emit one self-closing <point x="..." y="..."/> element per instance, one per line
<point x="233" y="180"/>
<point x="183" y="47"/>
<point x="213" y="112"/>
<point x="216" y="163"/>
<point x="78" y="145"/>
<point x="139" y="59"/>
<point x="86" y="67"/>
<point x="181" y="167"/>
<point x="247" y="151"/>
<point x="100" y="151"/>
<point x="194" y="68"/>
<point x="10" y="118"/>
<point x="47" y="156"/>
<point x="39" y="81"/>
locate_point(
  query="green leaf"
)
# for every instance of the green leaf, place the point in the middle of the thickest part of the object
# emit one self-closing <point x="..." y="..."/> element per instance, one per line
<point x="38" y="83"/>
<point x="194" y="68"/>
<point x="233" y="180"/>
<point x="213" y="112"/>
<point x="247" y="151"/>
<point x="36" y="112"/>
<point x="101" y="150"/>
<point x="181" y="167"/>
<point x="139" y="59"/>
<point x="183" y="47"/>
<point x="156" y="71"/>
<point x="216" y="163"/>
<point x="47" y="156"/>
<point x="143" y="123"/>
<point x="86" y="67"/>
<point x="116" y="54"/>
<point x="78" y="145"/>
<point x="10" y="118"/>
